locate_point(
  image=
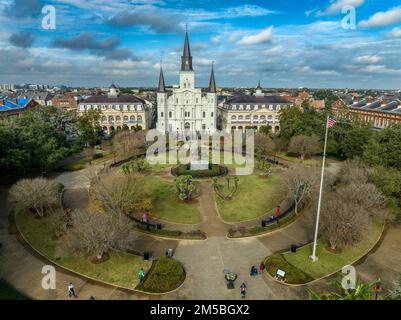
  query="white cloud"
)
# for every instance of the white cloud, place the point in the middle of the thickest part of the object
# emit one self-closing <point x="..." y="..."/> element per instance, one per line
<point x="264" y="36"/>
<point x="337" y="6"/>
<point x="203" y="62"/>
<point x="215" y="39"/>
<point x="275" y="51"/>
<point x="246" y="10"/>
<point x="395" y="33"/>
<point x="382" y="19"/>
<point x="368" y="59"/>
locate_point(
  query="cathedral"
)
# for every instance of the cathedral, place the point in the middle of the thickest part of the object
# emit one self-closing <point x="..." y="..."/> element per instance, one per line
<point x="186" y="108"/>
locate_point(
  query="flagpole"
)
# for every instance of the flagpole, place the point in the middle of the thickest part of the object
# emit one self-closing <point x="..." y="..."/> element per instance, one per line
<point x="313" y="257"/>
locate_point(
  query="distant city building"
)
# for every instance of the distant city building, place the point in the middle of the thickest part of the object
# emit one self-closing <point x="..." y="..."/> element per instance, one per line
<point x="7" y="86"/>
<point x="66" y="101"/>
<point x="119" y="111"/>
<point x="43" y="98"/>
<point x="253" y="111"/>
<point x="186" y="108"/>
<point x="380" y="112"/>
<point x="13" y="107"/>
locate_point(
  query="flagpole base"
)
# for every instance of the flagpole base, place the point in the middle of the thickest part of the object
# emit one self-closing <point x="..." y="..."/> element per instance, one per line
<point x="314" y="258"/>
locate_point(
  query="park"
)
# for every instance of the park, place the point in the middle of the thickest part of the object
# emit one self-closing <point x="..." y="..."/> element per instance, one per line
<point x="111" y="221"/>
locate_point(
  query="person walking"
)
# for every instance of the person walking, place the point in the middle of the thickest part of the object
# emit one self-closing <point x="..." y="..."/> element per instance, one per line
<point x="262" y="267"/>
<point x="243" y="290"/>
<point x="278" y="211"/>
<point x="141" y="275"/>
<point x="71" y="290"/>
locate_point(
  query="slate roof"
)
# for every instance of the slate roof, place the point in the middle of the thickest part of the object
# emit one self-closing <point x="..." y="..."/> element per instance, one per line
<point x="381" y="104"/>
<point x="122" y="98"/>
<point x="252" y="99"/>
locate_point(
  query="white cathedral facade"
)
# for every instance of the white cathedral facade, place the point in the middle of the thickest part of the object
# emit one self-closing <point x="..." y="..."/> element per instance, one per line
<point x="186" y="108"/>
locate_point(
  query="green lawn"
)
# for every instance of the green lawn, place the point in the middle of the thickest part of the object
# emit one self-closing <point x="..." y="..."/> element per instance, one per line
<point x="167" y="206"/>
<point x="299" y="263"/>
<point x="76" y="165"/>
<point x="81" y="163"/>
<point x="121" y="269"/>
<point x="255" y="197"/>
<point x="314" y="161"/>
<point x="9" y="293"/>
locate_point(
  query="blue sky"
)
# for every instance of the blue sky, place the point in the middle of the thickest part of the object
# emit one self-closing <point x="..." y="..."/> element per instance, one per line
<point x="284" y="43"/>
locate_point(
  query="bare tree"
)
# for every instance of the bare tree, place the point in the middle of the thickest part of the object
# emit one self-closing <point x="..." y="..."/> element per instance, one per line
<point x="305" y="146"/>
<point x="38" y="194"/>
<point x="349" y="206"/>
<point x="122" y="194"/>
<point x="301" y="182"/>
<point x="58" y="221"/>
<point x="128" y="143"/>
<point x="96" y="232"/>
<point x="264" y="145"/>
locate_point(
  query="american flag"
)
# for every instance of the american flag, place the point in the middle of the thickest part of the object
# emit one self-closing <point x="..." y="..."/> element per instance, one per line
<point x="332" y="122"/>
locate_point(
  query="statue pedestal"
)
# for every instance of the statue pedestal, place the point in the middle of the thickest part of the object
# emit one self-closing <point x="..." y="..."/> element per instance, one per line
<point x="199" y="165"/>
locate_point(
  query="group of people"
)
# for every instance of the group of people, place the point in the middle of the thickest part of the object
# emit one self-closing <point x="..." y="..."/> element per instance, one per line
<point x="254" y="270"/>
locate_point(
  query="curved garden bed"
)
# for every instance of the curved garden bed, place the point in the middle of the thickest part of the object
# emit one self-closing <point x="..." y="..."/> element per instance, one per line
<point x="214" y="170"/>
<point x="300" y="270"/>
<point x="120" y="270"/>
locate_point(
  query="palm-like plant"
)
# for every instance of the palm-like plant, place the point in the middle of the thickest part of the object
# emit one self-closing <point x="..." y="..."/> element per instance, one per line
<point x="362" y="291"/>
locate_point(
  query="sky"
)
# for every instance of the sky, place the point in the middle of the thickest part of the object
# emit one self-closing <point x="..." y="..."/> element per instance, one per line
<point x="282" y="43"/>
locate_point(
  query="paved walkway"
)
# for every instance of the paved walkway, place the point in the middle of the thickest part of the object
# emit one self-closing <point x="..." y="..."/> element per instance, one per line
<point x="204" y="260"/>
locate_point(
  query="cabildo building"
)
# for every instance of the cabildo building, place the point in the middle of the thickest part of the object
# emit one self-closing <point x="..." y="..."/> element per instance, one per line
<point x="119" y="111"/>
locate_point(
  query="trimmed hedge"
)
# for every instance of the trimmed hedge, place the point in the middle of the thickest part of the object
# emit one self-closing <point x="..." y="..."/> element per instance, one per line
<point x="213" y="171"/>
<point x="166" y="274"/>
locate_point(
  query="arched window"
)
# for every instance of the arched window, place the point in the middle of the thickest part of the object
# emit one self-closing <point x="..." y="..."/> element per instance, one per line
<point x="118" y="118"/>
<point x="111" y="118"/>
<point x="125" y="118"/>
<point x="233" y="117"/>
<point x="139" y="118"/>
<point x="132" y="118"/>
<point x="104" y="118"/>
<point x="240" y="118"/>
<point x="255" y="117"/>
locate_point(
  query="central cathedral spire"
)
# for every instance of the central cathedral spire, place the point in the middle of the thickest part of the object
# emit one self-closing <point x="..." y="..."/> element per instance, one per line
<point x="186" y="59"/>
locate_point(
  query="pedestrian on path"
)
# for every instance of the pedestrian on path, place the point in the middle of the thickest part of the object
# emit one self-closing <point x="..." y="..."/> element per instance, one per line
<point x="71" y="290"/>
<point x="141" y="275"/>
<point x="278" y="211"/>
<point x="262" y="267"/>
<point x="243" y="290"/>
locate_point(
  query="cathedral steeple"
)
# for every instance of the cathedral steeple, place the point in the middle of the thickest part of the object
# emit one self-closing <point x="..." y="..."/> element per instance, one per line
<point x="212" y="82"/>
<point x="162" y="86"/>
<point x="186" y="59"/>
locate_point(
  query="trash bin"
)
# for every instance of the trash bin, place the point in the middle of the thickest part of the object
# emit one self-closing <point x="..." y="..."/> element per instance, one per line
<point x="158" y="226"/>
<point x="294" y="248"/>
<point x="146" y="255"/>
<point x="263" y="223"/>
<point x="170" y="252"/>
